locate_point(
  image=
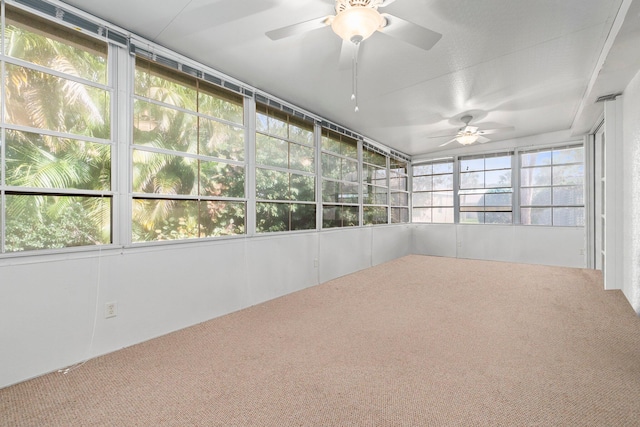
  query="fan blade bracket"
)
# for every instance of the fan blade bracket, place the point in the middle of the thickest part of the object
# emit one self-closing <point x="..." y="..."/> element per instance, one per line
<point x="491" y="131"/>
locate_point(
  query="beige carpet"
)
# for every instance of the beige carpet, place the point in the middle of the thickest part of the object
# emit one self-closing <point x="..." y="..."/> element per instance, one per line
<point x="419" y="341"/>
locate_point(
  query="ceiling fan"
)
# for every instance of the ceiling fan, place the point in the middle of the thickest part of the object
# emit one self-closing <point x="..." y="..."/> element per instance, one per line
<point x="357" y="20"/>
<point x="467" y="135"/>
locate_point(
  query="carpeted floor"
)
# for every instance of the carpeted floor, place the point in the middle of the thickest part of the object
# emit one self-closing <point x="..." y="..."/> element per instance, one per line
<point x="418" y="341"/>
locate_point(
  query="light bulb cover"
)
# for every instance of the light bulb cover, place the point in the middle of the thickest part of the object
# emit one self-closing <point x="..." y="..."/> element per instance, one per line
<point x="467" y="138"/>
<point x="357" y="23"/>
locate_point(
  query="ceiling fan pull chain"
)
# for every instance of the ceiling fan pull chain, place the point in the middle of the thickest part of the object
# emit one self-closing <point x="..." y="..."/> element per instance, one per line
<point x="354" y="95"/>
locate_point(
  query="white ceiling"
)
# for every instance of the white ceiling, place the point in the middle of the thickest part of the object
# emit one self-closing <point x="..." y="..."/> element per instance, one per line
<point x="521" y="63"/>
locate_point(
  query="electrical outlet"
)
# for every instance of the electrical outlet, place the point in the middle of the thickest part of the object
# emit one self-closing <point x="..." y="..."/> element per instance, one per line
<point x="110" y="310"/>
<point x="315" y="263"/>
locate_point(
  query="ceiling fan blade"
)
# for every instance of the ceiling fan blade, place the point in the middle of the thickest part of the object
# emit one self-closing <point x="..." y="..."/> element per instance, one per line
<point x="446" y="143"/>
<point x="409" y="32"/>
<point x="448" y="135"/>
<point x="482" y="139"/>
<point x="299" y="28"/>
<point x="490" y="131"/>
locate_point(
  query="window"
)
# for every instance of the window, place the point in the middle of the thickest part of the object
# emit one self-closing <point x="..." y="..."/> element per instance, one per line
<point x="552" y="187"/>
<point x="485" y="189"/>
<point x="285" y="172"/>
<point x="375" y="188"/>
<point x="340" y="183"/>
<point x="398" y="184"/>
<point x="433" y="192"/>
<point x="187" y="157"/>
<point x="56" y="189"/>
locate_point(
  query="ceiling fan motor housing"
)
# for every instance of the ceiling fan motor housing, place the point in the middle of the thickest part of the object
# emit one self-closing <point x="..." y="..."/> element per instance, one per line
<point x="347" y="4"/>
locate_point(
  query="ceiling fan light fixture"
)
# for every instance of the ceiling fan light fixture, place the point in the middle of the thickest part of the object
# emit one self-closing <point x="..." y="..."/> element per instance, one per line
<point x="357" y="23"/>
<point x="467" y="138"/>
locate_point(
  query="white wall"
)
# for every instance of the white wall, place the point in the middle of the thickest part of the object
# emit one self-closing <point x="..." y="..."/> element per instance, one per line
<point x="48" y="302"/>
<point x="562" y="246"/>
<point x="631" y="192"/>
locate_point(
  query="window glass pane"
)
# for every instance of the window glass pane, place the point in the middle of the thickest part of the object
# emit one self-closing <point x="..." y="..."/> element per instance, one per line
<point x="349" y="170"/>
<point x="421" y="215"/>
<point x="398" y="183"/>
<point x="568" y="155"/>
<point x="399" y="199"/>
<point x="533" y="177"/>
<point x="472" y="217"/>
<point x="272" y="217"/>
<point x="535" y="216"/>
<point x="443" y="182"/>
<point x="34" y="39"/>
<point x="44" y="101"/>
<point x="271" y="151"/>
<point x="536" y="197"/>
<point x="339" y="216"/>
<point x="471" y="180"/>
<point x="303" y="188"/>
<point x="572" y="195"/>
<point x="535" y="159"/>
<point x="439" y="168"/>
<point x="41" y="161"/>
<point x="498" y="218"/>
<point x="492" y="163"/>
<point x="155" y="82"/>
<point x="399" y="215"/>
<point x="277" y="127"/>
<point x="568" y="217"/>
<point x="262" y="122"/>
<point x="301" y="134"/>
<point x="374" y="175"/>
<point x="498" y="199"/>
<point x="302" y="158"/>
<point x="374" y="215"/>
<point x="498" y="178"/>
<point x="442" y="198"/>
<point x="471" y="165"/>
<point x="162" y="127"/>
<point x="339" y="192"/>
<point x="164" y="173"/>
<point x="303" y="217"/>
<point x="331" y="166"/>
<point x="421" y="199"/>
<point x="472" y="199"/>
<point x="161" y="219"/>
<point x="422" y="183"/>
<point x="271" y="184"/>
<point x="222" y="218"/>
<point x="568" y="175"/>
<point x="374" y="158"/>
<point x="374" y="195"/>
<point x="221" y="179"/>
<point x="53" y="222"/>
<point x="422" y="170"/>
<point x="221" y="140"/>
<point x="223" y="106"/>
<point x="339" y="144"/>
<point x="442" y="215"/>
